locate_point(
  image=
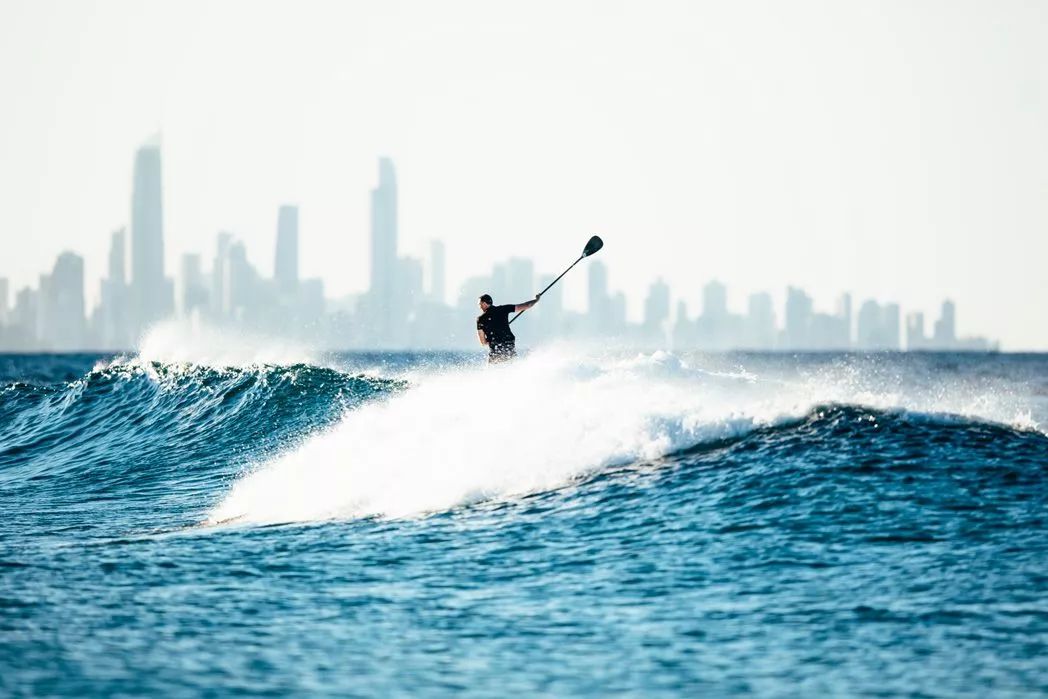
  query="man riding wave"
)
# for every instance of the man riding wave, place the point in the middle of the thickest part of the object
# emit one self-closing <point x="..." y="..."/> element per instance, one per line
<point x="493" y="327"/>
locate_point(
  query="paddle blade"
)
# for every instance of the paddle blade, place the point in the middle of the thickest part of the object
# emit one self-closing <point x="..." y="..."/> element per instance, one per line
<point x="594" y="244"/>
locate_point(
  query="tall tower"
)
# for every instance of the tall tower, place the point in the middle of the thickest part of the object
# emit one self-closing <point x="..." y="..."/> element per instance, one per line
<point x="384" y="229"/>
<point x="436" y="271"/>
<point x="946" y="327"/>
<point x="115" y="327"/>
<point x="218" y="299"/>
<point x="798" y="319"/>
<point x="3" y="301"/>
<point x="714" y="300"/>
<point x="598" y="300"/>
<point x="285" y="267"/>
<point x="117" y="257"/>
<point x="656" y="306"/>
<point x="63" y="317"/>
<point x="383" y="248"/>
<point x="151" y="292"/>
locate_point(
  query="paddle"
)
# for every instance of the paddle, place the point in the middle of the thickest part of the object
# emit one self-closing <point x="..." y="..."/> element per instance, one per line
<point x="594" y="244"/>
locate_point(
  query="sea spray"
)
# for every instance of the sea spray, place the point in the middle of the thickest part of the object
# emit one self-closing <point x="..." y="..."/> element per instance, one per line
<point x="468" y="434"/>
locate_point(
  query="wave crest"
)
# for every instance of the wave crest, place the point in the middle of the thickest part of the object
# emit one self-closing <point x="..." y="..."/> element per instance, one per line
<point x="466" y="435"/>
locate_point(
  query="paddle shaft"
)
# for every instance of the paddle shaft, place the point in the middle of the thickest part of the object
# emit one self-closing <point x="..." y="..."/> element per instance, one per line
<point x="550" y="285"/>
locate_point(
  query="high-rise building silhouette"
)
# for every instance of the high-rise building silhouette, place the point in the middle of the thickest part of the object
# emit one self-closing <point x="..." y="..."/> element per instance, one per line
<point x="550" y="318"/>
<point x="714" y="300"/>
<point x="63" y="323"/>
<point x="683" y="328"/>
<point x="844" y="312"/>
<point x="656" y="307"/>
<point x="716" y="328"/>
<point x="194" y="290"/>
<point x="760" y="322"/>
<point x="285" y="266"/>
<point x="946" y="327"/>
<point x="23" y="320"/>
<point x="409" y="283"/>
<point x="868" y="327"/>
<point x="436" y="271"/>
<point x="384" y="265"/>
<point x="3" y="301"/>
<point x="598" y="300"/>
<point x="499" y="283"/>
<point x="218" y="298"/>
<point x="831" y="331"/>
<point x="878" y="326"/>
<point x="113" y="319"/>
<point x="241" y="283"/>
<point x="151" y="291"/>
<point x="915" y="337"/>
<point x="797" y="334"/>
<point x="520" y="280"/>
<point x="890" y="319"/>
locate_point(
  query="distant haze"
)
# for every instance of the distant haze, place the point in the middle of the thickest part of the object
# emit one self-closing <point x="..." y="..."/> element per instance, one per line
<point x="898" y="151"/>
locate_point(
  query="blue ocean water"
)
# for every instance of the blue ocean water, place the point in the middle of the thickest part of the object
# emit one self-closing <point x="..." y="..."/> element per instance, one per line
<point x="574" y="524"/>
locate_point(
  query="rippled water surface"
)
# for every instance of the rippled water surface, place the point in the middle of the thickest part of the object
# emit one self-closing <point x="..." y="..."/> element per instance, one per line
<point x="573" y="524"/>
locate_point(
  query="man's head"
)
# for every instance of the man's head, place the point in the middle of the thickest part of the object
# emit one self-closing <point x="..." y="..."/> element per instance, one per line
<point x="486" y="302"/>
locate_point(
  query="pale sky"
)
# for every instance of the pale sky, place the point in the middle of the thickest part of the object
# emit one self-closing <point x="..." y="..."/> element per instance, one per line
<point x="897" y="150"/>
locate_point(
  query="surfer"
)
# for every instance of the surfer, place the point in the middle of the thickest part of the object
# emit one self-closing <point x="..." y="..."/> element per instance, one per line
<point x="493" y="327"/>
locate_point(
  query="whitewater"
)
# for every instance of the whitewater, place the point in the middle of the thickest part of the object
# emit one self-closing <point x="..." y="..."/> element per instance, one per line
<point x="455" y="436"/>
<point x="223" y="514"/>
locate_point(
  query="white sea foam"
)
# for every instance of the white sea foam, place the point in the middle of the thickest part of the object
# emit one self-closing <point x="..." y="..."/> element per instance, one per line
<point x="183" y="342"/>
<point x="471" y="434"/>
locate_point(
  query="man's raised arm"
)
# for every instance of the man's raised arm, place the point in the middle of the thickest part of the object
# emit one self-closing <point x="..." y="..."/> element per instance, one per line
<point x="527" y="304"/>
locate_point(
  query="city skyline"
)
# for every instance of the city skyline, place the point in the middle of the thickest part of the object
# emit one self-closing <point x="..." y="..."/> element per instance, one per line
<point x="405" y="305"/>
<point x="761" y="155"/>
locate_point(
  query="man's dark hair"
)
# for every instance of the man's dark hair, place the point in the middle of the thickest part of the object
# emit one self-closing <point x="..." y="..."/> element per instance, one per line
<point x="486" y="298"/>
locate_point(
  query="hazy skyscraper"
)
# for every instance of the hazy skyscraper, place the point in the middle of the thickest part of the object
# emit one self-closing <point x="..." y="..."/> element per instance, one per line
<point x="548" y="316"/>
<point x="844" y="312"/>
<point x="3" y="301"/>
<point x="118" y="257"/>
<point x="890" y="319"/>
<point x="219" y="296"/>
<point x="760" y="322"/>
<point x="383" y="249"/>
<point x="409" y="283"/>
<point x="520" y="280"/>
<point x="241" y="282"/>
<point x="194" y="291"/>
<point x="657" y="306"/>
<point x="597" y="286"/>
<point x="831" y="331"/>
<point x="798" y="319"/>
<point x="62" y="315"/>
<point x="868" y="328"/>
<point x="714" y="300"/>
<point x="915" y="338"/>
<point x="683" y="328"/>
<point x="946" y="327"/>
<point x="113" y="327"/>
<point x="715" y="328"/>
<point x="23" y="320"/>
<point x="151" y="291"/>
<point x="436" y="271"/>
<point x="499" y="282"/>
<point x="597" y="296"/>
<point x="285" y="267"/>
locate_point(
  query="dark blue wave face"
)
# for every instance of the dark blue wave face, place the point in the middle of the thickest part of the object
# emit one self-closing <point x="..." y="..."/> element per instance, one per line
<point x="843" y="549"/>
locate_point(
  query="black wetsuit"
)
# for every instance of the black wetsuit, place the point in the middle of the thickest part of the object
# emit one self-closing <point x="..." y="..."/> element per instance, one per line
<point x="495" y="324"/>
